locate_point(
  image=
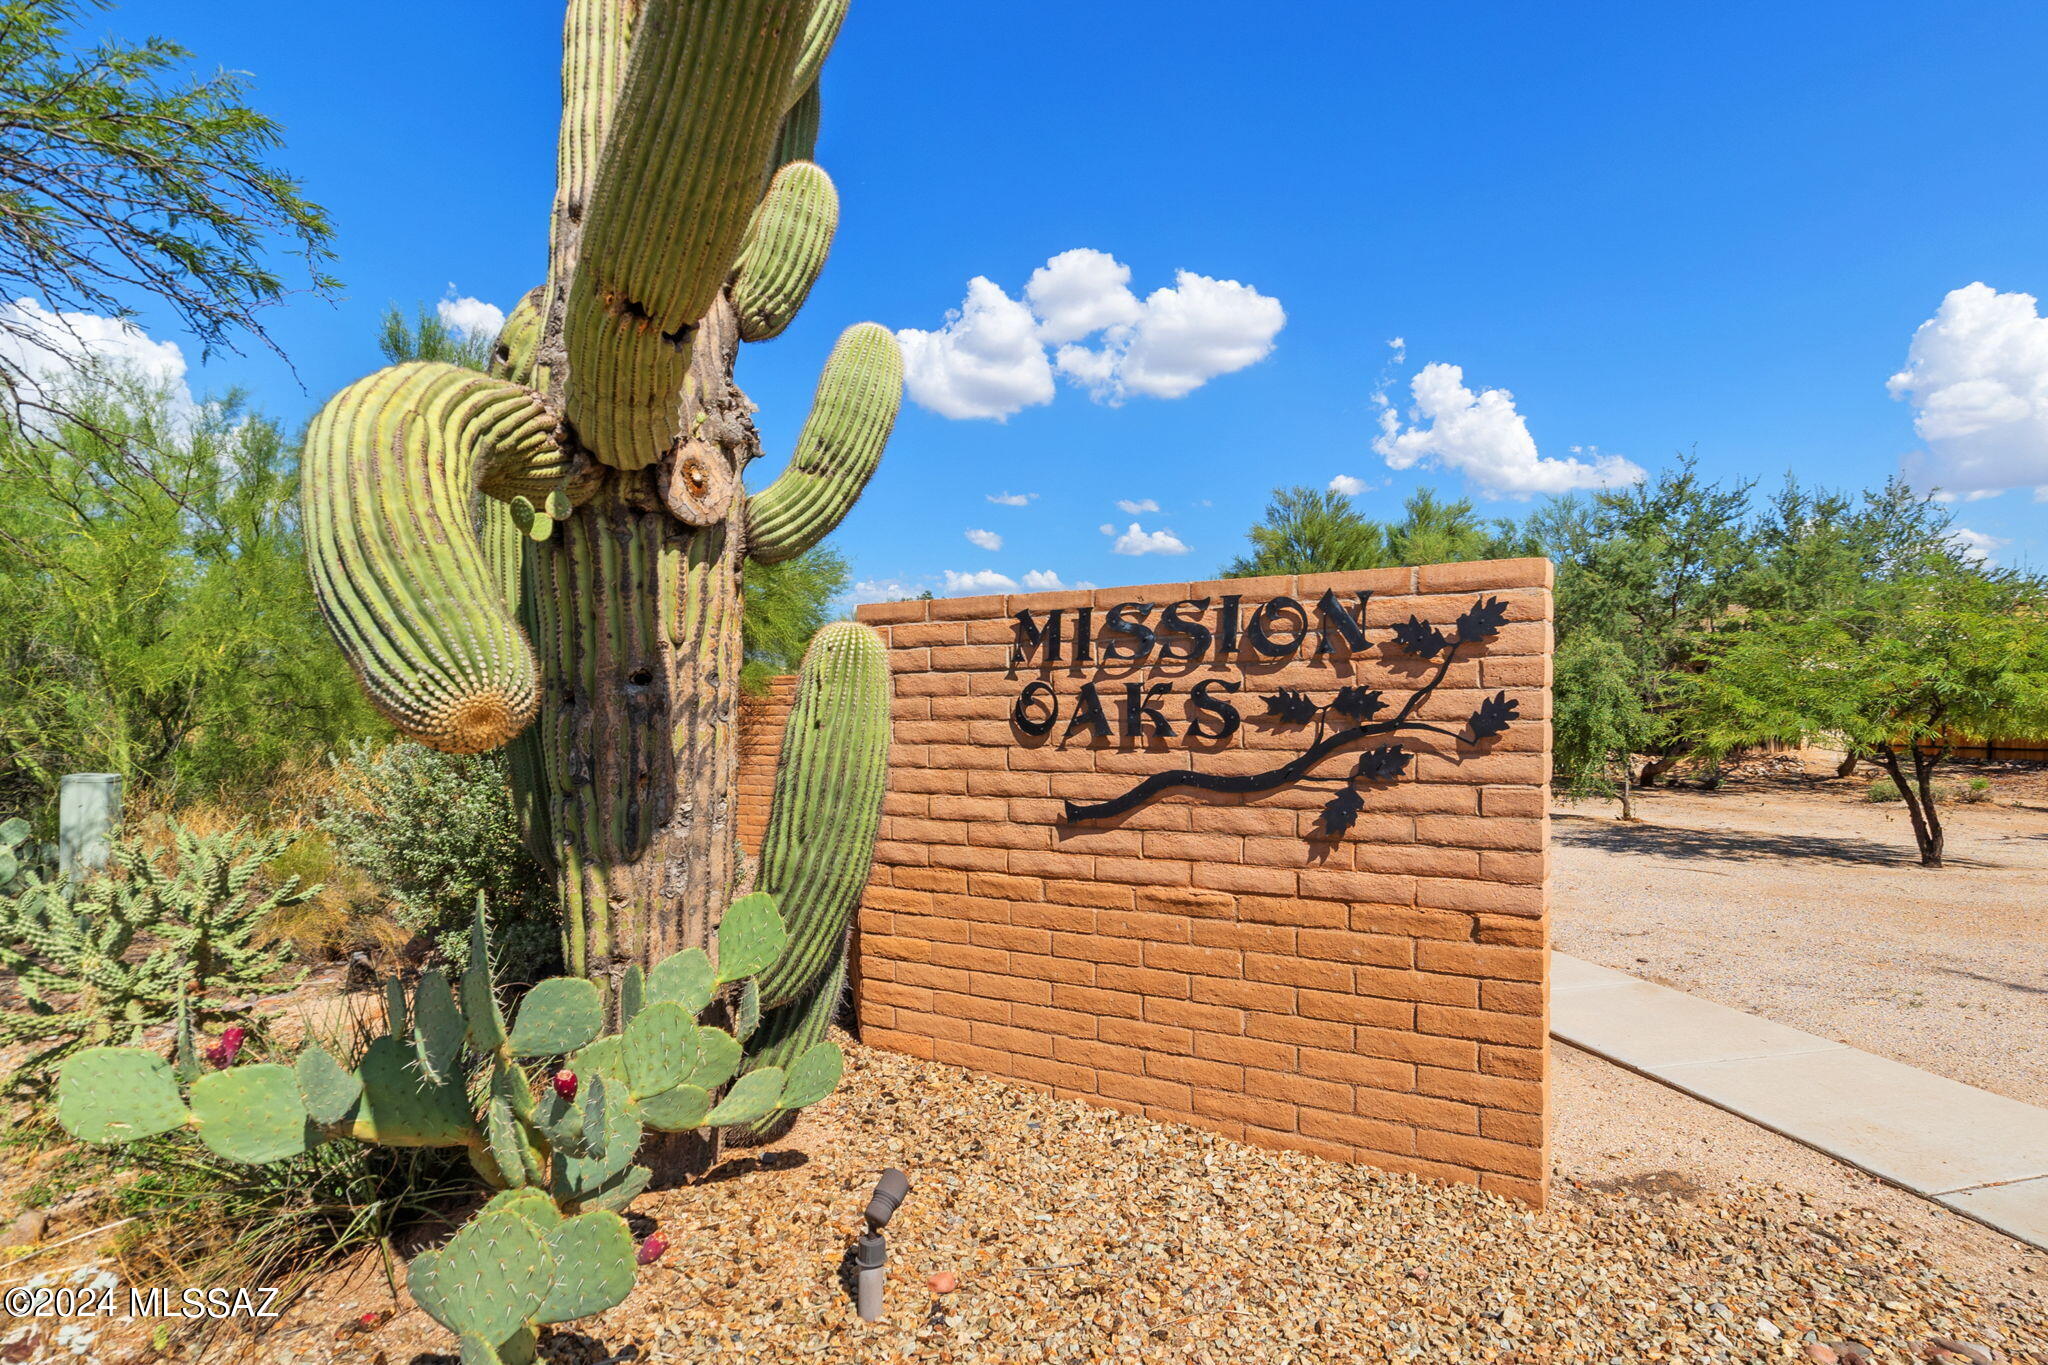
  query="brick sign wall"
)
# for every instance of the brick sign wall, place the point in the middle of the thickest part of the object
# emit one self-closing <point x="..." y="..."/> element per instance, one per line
<point x="762" y="716"/>
<point x="1265" y="855"/>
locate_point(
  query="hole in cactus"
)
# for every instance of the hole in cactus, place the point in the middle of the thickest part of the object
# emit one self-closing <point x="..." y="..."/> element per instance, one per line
<point x="680" y="338"/>
<point x="640" y="677"/>
<point x="569" y="697"/>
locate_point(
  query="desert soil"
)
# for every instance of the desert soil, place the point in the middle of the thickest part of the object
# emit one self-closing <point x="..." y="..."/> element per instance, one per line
<point x="1079" y="1234"/>
<point x="1795" y="898"/>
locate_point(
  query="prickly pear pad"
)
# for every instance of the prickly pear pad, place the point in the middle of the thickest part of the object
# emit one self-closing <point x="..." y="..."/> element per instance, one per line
<point x="118" y="1094"/>
<point x="558" y="1016"/>
<point x="749" y="937"/>
<point x="252" y="1114"/>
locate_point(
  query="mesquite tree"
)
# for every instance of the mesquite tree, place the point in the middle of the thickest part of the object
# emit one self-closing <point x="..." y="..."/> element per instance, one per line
<point x="586" y="609"/>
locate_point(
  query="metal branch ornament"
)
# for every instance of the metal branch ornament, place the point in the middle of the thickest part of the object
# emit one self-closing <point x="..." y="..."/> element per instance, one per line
<point x="1385" y="763"/>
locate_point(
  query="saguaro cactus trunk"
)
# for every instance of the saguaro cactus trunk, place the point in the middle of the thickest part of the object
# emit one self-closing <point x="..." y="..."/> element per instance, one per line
<point x="587" y="608"/>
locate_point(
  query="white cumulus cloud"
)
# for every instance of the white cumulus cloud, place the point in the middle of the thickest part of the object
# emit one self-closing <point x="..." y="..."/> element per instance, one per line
<point x="1347" y="485"/>
<point x="1139" y="541"/>
<point x="986" y="361"/>
<point x="1008" y="499"/>
<point x="1976" y="545"/>
<point x="981" y="580"/>
<point x="473" y="316"/>
<point x="987" y="540"/>
<point x="1136" y="505"/>
<point x="1181" y="339"/>
<point x="1977" y="377"/>
<point x="990" y="359"/>
<point x="1081" y="291"/>
<point x="1480" y="435"/>
<point x="51" y="351"/>
<point x="1045" y="580"/>
<point x="881" y="590"/>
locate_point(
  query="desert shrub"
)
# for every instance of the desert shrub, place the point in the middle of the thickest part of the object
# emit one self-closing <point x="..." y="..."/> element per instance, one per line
<point x="104" y="959"/>
<point x="1973" y="792"/>
<point x="433" y="830"/>
<point x="346" y="914"/>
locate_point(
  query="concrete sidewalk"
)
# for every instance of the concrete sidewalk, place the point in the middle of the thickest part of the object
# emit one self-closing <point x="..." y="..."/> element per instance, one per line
<point x="1980" y="1154"/>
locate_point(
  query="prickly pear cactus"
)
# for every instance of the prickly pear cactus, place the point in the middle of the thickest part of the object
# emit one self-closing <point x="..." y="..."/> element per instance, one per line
<point x="551" y="1109"/>
<point x="550" y="556"/>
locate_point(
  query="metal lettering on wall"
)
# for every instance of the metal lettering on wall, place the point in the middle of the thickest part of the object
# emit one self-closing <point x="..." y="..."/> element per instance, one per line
<point x="1271" y="633"/>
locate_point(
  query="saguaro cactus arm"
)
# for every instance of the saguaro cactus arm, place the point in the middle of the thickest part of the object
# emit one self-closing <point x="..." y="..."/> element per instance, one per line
<point x="392" y="468"/>
<point x="785" y="249"/>
<point x="851" y="418"/>
<point x="820" y="841"/>
<point x="706" y="89"/>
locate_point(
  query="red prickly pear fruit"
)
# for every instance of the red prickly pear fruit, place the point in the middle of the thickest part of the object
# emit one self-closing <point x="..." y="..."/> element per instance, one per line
<point x="222" y="1054"/>
<point x="565" y="1085"/>
<point x="650" y="1250"/>
<point x="368" y="1320"/>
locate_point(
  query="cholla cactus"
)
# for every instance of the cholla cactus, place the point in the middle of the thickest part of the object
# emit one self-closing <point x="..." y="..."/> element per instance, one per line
<point x="77" y="953"/>
<point x="205" y="895"/>
<point x="551" y="1110"/>
<point x="73" y="962"/>
<point x="551" y="556"/>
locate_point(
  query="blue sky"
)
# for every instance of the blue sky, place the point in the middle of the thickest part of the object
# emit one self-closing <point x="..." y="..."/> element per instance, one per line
<point x="1659" y="228"/>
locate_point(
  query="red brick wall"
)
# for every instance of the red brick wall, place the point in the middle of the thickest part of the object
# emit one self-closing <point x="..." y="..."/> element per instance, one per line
<point x="762" y="717"/>
<point x="1378" y="997"/>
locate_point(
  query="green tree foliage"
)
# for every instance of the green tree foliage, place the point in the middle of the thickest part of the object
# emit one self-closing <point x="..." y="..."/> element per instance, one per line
<point x="155" y="615"/>
<point x="1306" y="530"/>
<point x="1652" y="570"/>
<point x="786" y="603"/>
<point x="1600" y="723"/>
<point x="1893" y="668"/>
<point x="123" y="179"/>
<point x="433" y="830"/>
<point x="427" y="337"/>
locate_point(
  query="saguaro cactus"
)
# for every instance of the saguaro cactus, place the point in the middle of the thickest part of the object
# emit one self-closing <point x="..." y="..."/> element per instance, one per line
<point x="553" y="552"/>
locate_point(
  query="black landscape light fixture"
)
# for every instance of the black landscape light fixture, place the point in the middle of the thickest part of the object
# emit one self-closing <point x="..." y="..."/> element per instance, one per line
<point x="871" y="1251"/>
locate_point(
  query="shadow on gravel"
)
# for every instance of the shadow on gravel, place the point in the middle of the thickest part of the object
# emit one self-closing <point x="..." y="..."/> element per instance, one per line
<point x="2023" y="986"/>
<point x="1663" y="841"/>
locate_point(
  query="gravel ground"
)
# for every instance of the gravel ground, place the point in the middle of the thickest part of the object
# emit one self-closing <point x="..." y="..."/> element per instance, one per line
<point x="1081" y="1234"/>
<point x="1800" y="901"/>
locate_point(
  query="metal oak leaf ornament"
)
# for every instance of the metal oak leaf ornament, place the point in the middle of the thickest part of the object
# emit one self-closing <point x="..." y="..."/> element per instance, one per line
<point x="1342" y="812"/>
<point x="1359" y="703"/>
<point x="1483" y="622"/>
<point x="1493" y="716"/>
<point x="1420" y="638"/>
<point x="1295" y="708"/>
<point x="1383" y="764"/>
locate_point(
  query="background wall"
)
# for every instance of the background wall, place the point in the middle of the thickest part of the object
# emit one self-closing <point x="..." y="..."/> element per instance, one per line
<point x="762" y="717"/>
<point x="1205" y="959"/>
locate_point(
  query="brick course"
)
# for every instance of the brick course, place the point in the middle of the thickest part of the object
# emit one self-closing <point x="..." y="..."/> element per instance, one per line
<point x="1379" y="997"/>
<point x="762" y="716"/>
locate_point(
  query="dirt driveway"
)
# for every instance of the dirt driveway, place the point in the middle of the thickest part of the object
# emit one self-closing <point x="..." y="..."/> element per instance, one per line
<point x="1797" y="899"/>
